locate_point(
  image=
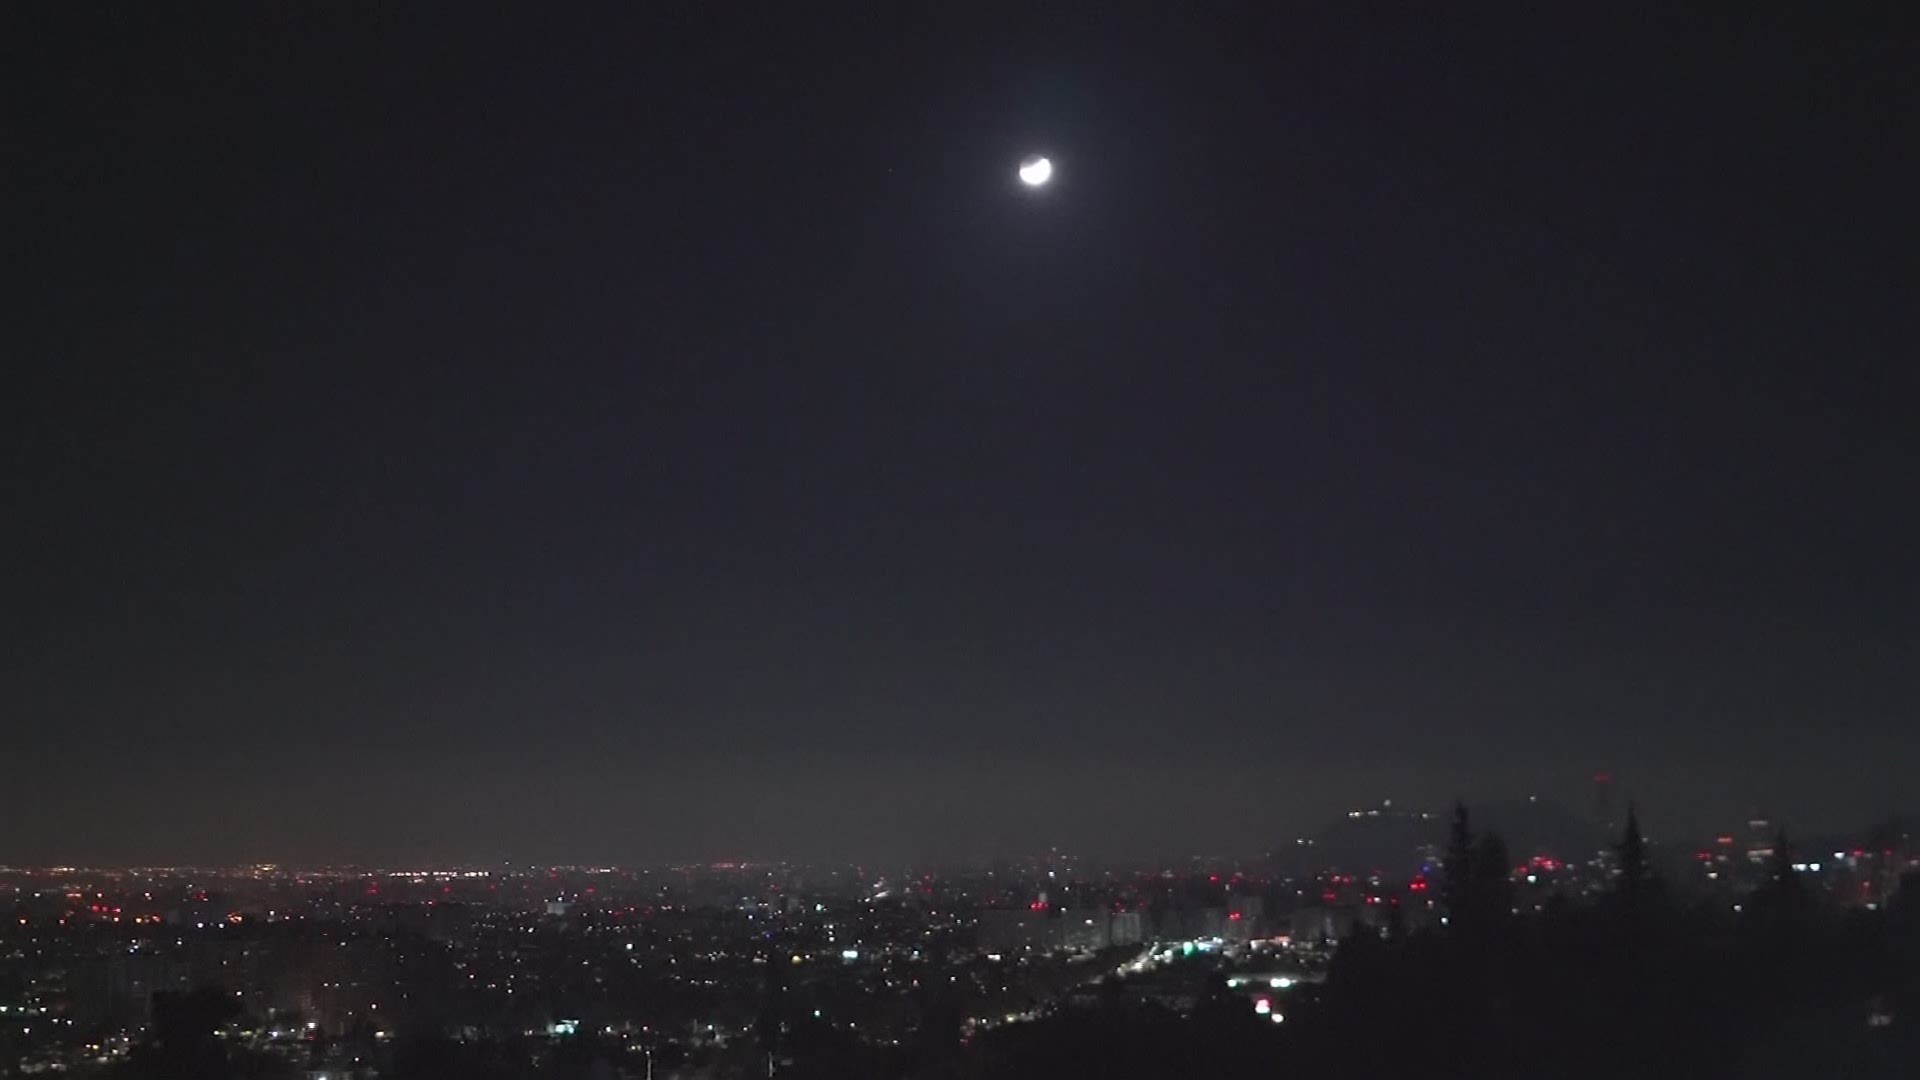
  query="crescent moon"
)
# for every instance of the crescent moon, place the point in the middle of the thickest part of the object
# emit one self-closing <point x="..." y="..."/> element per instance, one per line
<point x="1036" y="171"/>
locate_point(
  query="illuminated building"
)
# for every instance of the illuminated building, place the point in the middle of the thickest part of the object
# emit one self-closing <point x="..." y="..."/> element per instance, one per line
<point x="1085" y="929"/>
<point x="1014" y="929"/>
<point x="1761" y="834"/>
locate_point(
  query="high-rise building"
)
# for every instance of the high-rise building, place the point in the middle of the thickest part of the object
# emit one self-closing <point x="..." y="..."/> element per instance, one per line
<point x="1085" y="929"/>
<point x="1761" y="835"/>
<point x="1246" y="916"/>
<point x="1015" y="929"/>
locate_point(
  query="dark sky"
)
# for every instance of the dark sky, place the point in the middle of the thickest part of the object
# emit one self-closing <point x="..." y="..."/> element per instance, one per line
<point x="657" y="434"/>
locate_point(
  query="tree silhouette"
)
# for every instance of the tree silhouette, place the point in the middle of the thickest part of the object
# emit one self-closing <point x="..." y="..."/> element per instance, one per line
<point x="1781" y="909"/>
<point x="1780" y="867"/>
<point x="1492" y="878"/>
<point x="1476" y="888"/>
<point x="1636" y="870"/>
<point x="1457" y="867"/>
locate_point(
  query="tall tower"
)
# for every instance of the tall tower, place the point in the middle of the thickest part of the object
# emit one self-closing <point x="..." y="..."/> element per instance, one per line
<point x="1761" y="833"/>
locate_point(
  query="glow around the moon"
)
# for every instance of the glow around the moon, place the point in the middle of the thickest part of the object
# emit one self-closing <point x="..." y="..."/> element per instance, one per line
<point x="1036" y="171"/>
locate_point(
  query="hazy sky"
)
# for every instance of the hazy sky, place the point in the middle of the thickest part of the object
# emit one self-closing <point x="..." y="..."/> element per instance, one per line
<point x="460" y="434"/>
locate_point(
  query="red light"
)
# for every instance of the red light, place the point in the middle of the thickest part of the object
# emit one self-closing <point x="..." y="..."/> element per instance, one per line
<point x="1418" y="886"/>
<point x="1235" y="916"/>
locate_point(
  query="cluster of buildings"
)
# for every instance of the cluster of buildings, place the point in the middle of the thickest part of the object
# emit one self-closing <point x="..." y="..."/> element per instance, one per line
<point x="330" y="969"/>
<point x="1864" y="869"/>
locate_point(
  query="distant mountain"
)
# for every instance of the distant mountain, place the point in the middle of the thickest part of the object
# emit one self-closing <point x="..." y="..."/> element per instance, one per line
<point x="1393" y="841"/>
<point x="1540" y="827"/>
<point x="1894" y="832"/>
<point x="1363" y="841"/>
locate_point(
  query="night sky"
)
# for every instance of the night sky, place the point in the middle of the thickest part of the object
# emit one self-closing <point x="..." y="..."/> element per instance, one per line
<point x="661" y="434"/>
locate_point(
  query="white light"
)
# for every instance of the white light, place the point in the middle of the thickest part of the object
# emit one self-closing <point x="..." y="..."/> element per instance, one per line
<point x="1036" y="171"/>
<point x="1263" y="1006"/>
<point x="1276" y="1018"/>
<point x="1280" y="983"/>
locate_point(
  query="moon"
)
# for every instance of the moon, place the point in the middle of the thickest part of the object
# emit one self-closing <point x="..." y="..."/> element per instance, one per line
<point x="1036" y="171"/>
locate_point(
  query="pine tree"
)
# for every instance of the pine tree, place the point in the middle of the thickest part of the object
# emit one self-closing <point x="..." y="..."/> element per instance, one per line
<point x="1781" y="903"/>
<point x="1636" y="871"/>
<point x="1457" y="867"/>
<point x="1492" y="878"/>
<point x="1780" y="867"/>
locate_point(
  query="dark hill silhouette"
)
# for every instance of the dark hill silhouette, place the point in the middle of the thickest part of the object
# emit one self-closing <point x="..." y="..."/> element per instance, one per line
<point x="1393" y="841"/>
